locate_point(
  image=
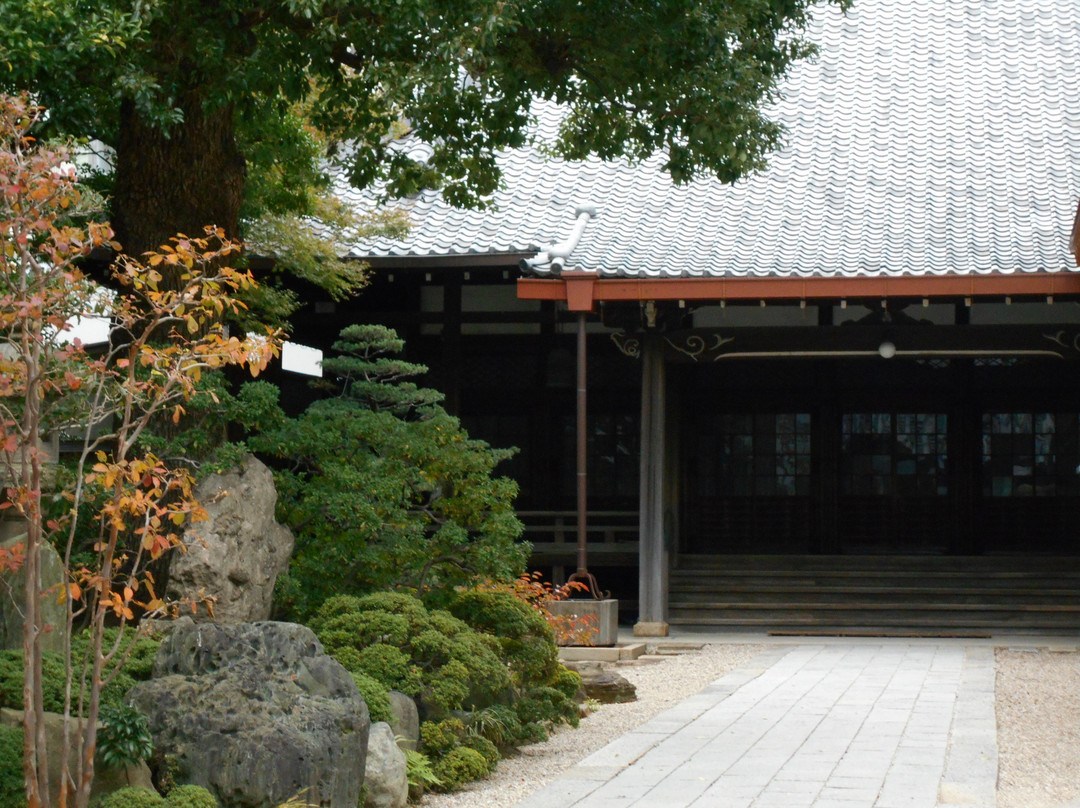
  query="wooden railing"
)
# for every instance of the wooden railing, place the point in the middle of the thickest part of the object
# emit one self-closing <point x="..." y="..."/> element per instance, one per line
<point x="612" y="538"/>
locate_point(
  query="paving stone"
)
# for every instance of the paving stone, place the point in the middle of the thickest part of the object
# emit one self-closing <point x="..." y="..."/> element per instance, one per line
<point x="826" y="725"/>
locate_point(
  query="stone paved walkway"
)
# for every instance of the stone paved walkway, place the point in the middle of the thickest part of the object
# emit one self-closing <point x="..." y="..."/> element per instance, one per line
<point x="837" y="724"/>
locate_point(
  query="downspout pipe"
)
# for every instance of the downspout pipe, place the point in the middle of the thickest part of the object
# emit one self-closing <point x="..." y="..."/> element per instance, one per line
<point x="553" y="258"/>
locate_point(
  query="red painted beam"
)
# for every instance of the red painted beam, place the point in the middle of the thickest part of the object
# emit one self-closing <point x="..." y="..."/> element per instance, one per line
<point x="583" y="289"/>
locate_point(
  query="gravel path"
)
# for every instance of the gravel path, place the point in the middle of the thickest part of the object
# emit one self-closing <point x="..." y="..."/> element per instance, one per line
<point x="660" y="685"/>
<point x="1038" y="717"/>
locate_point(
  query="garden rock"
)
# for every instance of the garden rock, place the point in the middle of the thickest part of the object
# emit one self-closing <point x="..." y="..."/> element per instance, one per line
<point x="13" y="599"/>
<point x="257" y="714"/>
<point x="238" y="554"/>
<point x="406" y="723"/>
<point x="385" y="778"/>
<point x="106" y="778"/>
<point x="603" y="684"/>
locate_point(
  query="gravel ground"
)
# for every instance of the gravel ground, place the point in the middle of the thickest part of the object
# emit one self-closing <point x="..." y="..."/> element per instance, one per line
<point x="1038" y="717"/>
<point x="659" y="684"/>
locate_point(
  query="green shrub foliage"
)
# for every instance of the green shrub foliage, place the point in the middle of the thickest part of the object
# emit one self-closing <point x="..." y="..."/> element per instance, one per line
<point x="190" y="797"/>
<point x="437" y="738"/>
<point x="481" y="688"/>
<point x="137" y="668"/>
<point x="376" y="696"/>
<point x="12" y="790"/>
<point x="441" y="661"/>
<point x="484" y="747"/>
<point x="123" y="736"/>
<point x="419" y="771"/>
<point x="526" y="639"/>
<point x="383" y="488"/>
<point x="461" y="765"/>
<point x="133" y="797"/>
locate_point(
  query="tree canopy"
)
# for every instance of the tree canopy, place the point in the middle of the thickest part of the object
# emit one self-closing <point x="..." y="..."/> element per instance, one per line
<point x="218" y="107"/>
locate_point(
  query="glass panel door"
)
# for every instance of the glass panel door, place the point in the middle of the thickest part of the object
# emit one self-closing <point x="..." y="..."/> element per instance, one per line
<point x="749" y="484"/>
<point x="1030" y="482"/>
<point x="893" y="482"/>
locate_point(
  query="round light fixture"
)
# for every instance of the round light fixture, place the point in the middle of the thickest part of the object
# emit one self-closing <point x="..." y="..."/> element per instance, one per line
<point x="886" y="350"/>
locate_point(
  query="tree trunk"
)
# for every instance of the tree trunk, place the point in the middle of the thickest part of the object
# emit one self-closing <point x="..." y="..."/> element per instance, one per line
<point x="178" y="180"/>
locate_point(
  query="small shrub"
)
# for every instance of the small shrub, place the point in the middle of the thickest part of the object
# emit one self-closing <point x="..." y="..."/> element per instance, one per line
<point x="190" y="797"/>
<point x="123" y="737"/>
<point x="461" y="765"/>
<point x="539" y="594"/>
<point x="498" y="723"/>
<point x="375" y="696"/>
<point x="546" y="706"/>
<point x="429" y="654"/>
<point x="484" y="747"/>
<point x="12" y="790"/>
<point x="438" y="738"/>
<point x="567" y="682"/>
<point x="132" y="797"/>
<point x="525" y="638"/>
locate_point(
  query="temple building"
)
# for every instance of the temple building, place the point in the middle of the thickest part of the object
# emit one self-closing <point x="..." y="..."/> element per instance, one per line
<point x="841" y="394"/>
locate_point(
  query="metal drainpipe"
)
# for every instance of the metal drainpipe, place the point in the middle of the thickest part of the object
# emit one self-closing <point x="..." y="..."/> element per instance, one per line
<point x="582" y="452"/>
<point x="554" y="259"/>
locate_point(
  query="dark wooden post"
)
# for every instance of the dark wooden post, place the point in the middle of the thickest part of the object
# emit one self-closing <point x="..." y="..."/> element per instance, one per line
<point x="582" y="450"/>
<point x="653" y="551"/>
<point x="451" y="343"/>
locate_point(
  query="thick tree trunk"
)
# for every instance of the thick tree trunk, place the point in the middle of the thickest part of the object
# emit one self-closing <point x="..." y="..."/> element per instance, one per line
<point x="178" y="180"/>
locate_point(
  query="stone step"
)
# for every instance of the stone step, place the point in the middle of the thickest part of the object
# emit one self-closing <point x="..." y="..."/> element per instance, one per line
<point x="916" y="594"/>
<point x="699" y="596"/>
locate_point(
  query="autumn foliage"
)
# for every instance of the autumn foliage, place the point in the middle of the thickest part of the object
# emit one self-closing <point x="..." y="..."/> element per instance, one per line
<point x="532" y="589"/>
<point x="131" y="505"/>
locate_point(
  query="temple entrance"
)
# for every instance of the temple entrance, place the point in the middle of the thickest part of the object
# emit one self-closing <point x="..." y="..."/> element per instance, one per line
<point x="877" y="458"/>
<point x="893" y="482"/>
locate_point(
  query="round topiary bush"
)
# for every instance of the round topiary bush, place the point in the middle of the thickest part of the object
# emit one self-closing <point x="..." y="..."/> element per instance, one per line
<point x="484" y="747"/>
<point x="460" y="766"/>
<point x="132" y="797"/>
<point x="12" y="789"/>
<point x="437" y="738"/>
<point x="190" y="797"/>
<point x="526" y="639"/>
<point x="430" y="654"/>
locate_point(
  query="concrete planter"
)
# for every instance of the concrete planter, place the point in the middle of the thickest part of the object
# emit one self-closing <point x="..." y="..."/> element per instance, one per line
<point x="605" y="614"/>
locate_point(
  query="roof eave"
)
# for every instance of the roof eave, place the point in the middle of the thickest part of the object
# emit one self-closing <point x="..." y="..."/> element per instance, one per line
<point x="582" y="290"/>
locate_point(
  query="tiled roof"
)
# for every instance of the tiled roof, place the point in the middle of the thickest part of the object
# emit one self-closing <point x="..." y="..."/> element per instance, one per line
<point x="928" y="137"/>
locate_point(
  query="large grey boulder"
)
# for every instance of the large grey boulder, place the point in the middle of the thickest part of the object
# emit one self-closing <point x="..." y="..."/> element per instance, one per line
<point x="258" y="714"/>
<point x="237" y="555"/>
<point x="13" y="599"/>
<point x="385" y="778"/>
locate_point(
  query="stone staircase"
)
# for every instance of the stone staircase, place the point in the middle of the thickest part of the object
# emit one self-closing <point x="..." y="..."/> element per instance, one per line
<point x="876" y="594"/>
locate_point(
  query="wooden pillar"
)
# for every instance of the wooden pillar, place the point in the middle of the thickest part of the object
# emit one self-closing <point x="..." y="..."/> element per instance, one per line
<point x="673" y="472"/>
<point x="451" y="344"/>
<point x="653" y="549"/>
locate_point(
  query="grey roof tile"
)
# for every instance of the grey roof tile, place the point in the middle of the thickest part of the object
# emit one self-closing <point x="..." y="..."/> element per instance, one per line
<point x="929" y="137"/>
